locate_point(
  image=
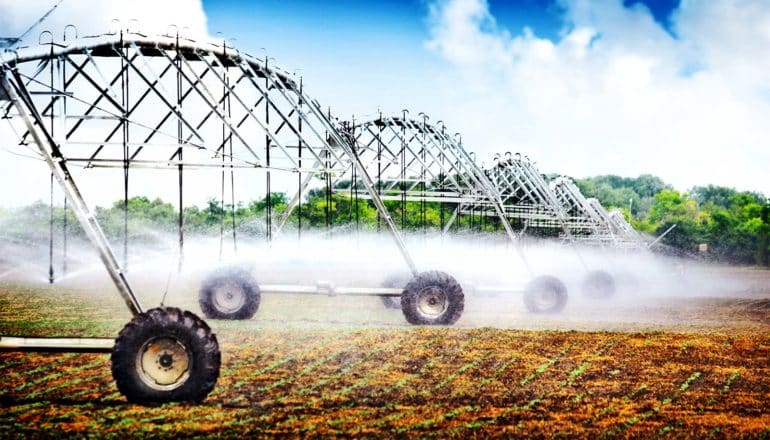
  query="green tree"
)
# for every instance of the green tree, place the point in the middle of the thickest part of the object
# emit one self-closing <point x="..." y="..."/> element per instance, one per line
<point x="671" y="207"/>
<point x="616" y="192"/>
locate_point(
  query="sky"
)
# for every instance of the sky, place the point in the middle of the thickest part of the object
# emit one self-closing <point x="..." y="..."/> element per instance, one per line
<point x="678" y="89"/>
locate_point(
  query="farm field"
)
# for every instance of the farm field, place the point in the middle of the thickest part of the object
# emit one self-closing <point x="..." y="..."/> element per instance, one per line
<point x="306" y="366"/>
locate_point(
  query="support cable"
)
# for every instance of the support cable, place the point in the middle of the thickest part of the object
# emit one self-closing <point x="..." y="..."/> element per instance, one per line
<point x="179" y="153"/>
<point x="63" y="70"/>
<point x="299" y="174"/>
<point x="328" y="183"/>
<point x="423" y="177"/>
<point x="232" y="171"/>
<point x="222" y="192"/>
<point x="50" y="238"/>
<point x="352" y="179"/>
<point x="379" y="168"/>
<point x="64" y="240"/>
<point x="355" y="180"/>
<point x="441" y="207"/>
<point x="50" y="225"/>
<point x="268" y="196"/>
<point x="126" y="153"/>
<point x="403" y="173"/>
<point x="327" y="194"/>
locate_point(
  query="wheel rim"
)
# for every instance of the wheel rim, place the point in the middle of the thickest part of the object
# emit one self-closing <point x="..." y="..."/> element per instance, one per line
<point x="163" y="363"/>
<point x="228" y="297"/>
<point x="599" y="285"/>
<point x="545" y="298"/>
<point x="432" y="301"/>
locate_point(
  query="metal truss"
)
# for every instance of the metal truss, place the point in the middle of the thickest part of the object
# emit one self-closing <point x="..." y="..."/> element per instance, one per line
<point x="535" y="204"/>
<point x="619" y="222"/>
<point x="131" y="101"/>
<point x="625" y="234"/>
<point x="416" y="160"/>
<point x="590" y="220"/>
<point x="587" y="223"/>
<point x="412" y="160"/>
<point x="527" y="197"/>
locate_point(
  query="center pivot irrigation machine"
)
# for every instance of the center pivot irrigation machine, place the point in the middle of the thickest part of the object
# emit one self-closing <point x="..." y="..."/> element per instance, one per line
<point x="126" y="101"/>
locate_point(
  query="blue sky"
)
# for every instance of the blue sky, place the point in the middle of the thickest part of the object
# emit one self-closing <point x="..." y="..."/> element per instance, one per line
<point x="360" y="44"/>
<point x="371" y="46"/>
<point x="298" y="20"/>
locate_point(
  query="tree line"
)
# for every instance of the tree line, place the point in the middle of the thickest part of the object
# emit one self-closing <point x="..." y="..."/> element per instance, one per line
<point x="734" y="225"/>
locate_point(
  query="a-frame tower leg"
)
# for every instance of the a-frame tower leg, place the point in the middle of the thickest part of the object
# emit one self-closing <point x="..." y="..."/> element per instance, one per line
<point x="14" y="90"/>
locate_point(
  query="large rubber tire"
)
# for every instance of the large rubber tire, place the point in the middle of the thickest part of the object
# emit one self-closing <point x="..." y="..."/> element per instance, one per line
<point x="166" y="355"/>
<point x="598" y="284"/>
<point x="394" y="281"/>
<point x="545" y="294"/>
<point x="432" y="298"/>
<point x="229" y="294"/>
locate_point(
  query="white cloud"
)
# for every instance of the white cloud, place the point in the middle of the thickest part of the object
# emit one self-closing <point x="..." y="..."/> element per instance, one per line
<point x="96" y="16"/>
<point x="617" y="94"/>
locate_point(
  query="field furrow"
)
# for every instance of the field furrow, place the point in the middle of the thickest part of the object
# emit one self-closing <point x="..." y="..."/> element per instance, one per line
<point x="310" y="379"/>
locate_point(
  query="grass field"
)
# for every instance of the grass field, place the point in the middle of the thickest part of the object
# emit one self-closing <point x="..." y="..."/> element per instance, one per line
<point x="347" y="367"/>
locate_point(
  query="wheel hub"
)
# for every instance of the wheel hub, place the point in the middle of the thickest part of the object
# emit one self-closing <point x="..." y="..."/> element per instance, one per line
<point x="163" y="363"/>
<point x="545" y="298"/>
<point x="432" y="301"/>
<point x="229" y="297"/>
<point x="166" y="360"/>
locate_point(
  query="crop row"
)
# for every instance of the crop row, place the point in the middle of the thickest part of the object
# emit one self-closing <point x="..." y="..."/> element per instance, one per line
<point x="426" y="382"/>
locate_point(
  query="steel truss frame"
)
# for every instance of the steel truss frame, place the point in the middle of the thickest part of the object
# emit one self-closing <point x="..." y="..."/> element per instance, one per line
<point x="559" y="205"/>
<point x="416" y="161"/>
<point x="594" y="224"/>
<point x="527" y="196"/>
<point x="625" y="234"/>
<point x="588" y="224"/>
<point x="130" y="101"/>
<point x="412" y="160"/>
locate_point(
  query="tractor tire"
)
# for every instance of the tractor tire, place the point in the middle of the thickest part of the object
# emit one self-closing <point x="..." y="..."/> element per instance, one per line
<point x="229" y="294"/>
<point x="394" y="281"/>
<point x="166" y="355"/>
<point x="545" y="294"/>
<point x="598" y="285"/>
<point x="432" y="298"/>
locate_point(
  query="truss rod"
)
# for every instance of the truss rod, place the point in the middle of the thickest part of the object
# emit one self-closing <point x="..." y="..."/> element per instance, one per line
<point x="161" y="96"/>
